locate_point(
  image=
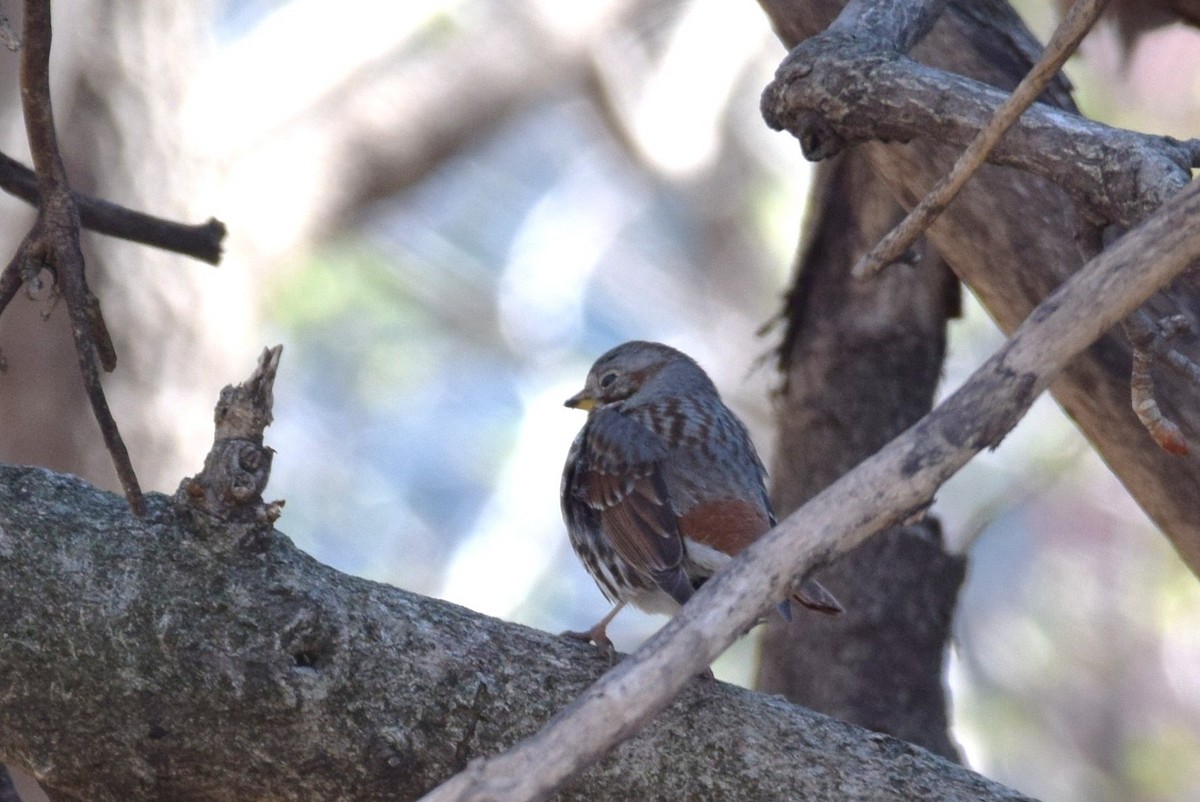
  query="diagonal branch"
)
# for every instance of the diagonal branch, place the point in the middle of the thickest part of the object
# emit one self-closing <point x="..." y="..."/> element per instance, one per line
<point x="1062" y="44"/>
<point x="53" y="242"/>
<point x="1011" y="236"/>
<point x="882" y="491"/>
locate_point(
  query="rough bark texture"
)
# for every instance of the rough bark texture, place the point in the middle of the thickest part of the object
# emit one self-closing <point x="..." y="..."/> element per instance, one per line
<point x="1012" y="237"/>
<point x="861" y="361"/>
<point x="317" y="685"/>
<point x="1117" y="175"/>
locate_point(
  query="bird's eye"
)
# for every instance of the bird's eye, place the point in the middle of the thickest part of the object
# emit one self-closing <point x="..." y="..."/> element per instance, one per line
<point x="607" y="379"/>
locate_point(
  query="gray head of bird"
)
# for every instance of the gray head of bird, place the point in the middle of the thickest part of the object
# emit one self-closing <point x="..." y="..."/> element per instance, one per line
<point x="640" y="370"/>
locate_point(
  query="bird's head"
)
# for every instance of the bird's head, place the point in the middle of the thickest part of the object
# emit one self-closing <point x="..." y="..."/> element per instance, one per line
<point x="634" y="368"/>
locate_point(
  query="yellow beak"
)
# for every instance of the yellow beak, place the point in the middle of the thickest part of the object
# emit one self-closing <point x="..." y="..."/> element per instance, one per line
<point x="580" y="401"/>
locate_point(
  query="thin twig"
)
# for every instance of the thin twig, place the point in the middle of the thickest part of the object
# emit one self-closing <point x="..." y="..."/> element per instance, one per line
<point x="53" y="242"/>
<point x="1070" y="32"/>
<point x="201" y="242"/>
<point x="1140" y="324"/>
<point x="881" y="491"/>
<point x="1151" y="341"/>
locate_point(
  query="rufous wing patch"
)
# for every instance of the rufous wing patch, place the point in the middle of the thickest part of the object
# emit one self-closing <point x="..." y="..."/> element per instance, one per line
<point x="728" y="525"/>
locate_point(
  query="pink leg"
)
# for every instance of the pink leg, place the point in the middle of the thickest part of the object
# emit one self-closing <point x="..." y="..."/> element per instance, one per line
<point x="598" y="634"/>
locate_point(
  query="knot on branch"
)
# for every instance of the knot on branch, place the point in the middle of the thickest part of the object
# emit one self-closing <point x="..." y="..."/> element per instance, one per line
<point x="237" y="468"/>
<point x="803" y="97"/>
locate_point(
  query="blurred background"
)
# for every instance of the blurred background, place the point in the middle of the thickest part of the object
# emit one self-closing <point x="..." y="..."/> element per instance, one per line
<point x="445" y="210"/>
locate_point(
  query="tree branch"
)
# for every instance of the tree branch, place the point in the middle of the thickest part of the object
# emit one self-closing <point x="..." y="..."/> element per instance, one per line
<point x="1066" y="39"/>
<point x="264" y="674"/>
<point x="1014" y="237"/>
<point x="884" y="490"/>
<point x="899" y="23"/>
<point x="861" y="362"/>
<point x="817" y="95"/>
<point x="53" y="242"/>
<point x="201" y="242"/>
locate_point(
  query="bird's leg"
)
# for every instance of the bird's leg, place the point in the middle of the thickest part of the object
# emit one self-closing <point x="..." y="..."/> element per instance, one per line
<point x="598" y="634"/>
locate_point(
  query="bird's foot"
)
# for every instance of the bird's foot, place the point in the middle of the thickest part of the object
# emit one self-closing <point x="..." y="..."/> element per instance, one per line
<point x="596" y="635"/>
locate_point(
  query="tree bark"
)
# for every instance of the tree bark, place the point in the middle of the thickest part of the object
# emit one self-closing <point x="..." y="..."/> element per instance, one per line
<point x="178" y="657"/>
<point x="861" y="361"/>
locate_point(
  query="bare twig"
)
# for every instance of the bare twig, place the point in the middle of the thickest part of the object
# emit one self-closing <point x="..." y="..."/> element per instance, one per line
<point x="900" y="478"/>
<point x="53" y="242"/>
<point x="1070" y="32"/>
<point x="1151" y="341"/>
<point x="1141" y="384"/>
<point x="1142" y="332"/>
<point x="201" y="242"/>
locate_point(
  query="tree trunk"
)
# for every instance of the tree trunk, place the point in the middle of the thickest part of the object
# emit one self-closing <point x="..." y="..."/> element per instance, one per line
<point x="861" y="361"/>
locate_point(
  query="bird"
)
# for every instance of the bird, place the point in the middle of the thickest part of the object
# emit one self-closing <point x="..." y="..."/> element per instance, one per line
<point x="662" y="486"/>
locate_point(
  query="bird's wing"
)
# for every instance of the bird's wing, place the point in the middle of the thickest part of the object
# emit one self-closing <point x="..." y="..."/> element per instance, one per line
<point x="718" y="487"/>
<point x="621" y="478"/>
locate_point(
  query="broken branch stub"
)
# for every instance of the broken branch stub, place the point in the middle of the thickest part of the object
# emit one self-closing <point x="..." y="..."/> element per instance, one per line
<point x="238" y="466"/>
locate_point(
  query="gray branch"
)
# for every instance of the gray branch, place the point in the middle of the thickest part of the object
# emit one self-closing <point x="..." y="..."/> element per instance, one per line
<point x="818" y="95"/>
<point x="174" y="657"/>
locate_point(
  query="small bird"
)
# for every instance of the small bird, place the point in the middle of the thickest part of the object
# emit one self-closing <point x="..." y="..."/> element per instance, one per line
<point x="662" y="485"/>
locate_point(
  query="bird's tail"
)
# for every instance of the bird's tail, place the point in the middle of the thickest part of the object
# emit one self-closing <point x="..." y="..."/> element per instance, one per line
<point x="813" y="595"/>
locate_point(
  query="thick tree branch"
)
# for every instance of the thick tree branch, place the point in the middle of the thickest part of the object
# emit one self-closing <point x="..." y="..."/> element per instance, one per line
<point x="861" y="361"/>
<point x="264" y="674"/>
<point x="899" y="23"/>
<point x="1066" y="39"/>
<point x="818" y="95"/>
